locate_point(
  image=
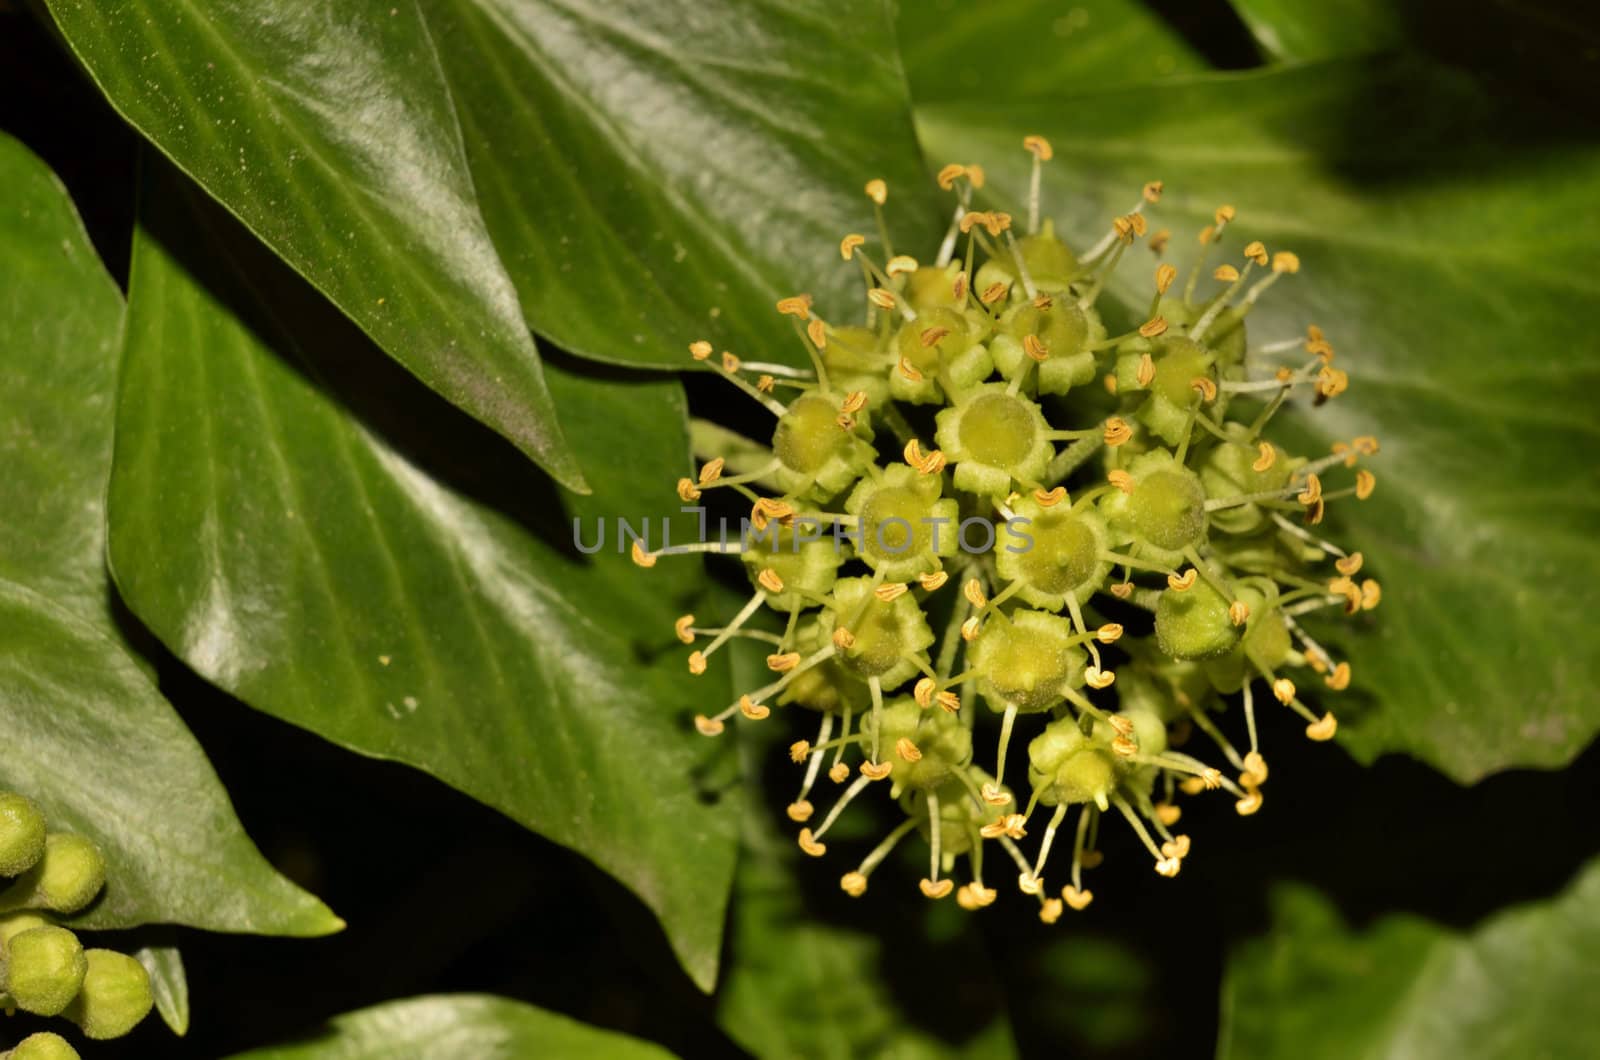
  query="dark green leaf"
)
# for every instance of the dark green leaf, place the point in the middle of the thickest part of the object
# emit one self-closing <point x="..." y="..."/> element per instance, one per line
<point x="1519" y="985"/>
<point x="328" y="128"/>
<point x="1446" y="245"/>
<point x="1291" y="30"/>
<point x="316" y="534"/>
<point x="170" y="985"/>
<point x="86" y="733"/>
<point x="1004" y="49"/>
<point x="460" y="1025"/>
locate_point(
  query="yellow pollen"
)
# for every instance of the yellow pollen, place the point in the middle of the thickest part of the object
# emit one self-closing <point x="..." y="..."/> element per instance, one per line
<point x="1256" y="252"/>
<point x="839" y="772"/>
<point x="1250" y="803"/>
<point x="1366" y="445"/>
<point x="753" y="710"/>
<point x="1120" y="479"/>
<point x="1098" y="678"/>
<point x="1109" y="633"/>
<point x="799" y="812"/>
<point x="700" y="350"/>
<point x="1225" y="273"/>
<point x="950" y="174"/>
<point x="971" y="628"/>
<point x="971" y="219"/>
<point x="1239" y="612"/>
<point x="1050" y="910"/>
<point x="765" y="384"/>
<point x="1283" y="690"/>
<point x="853" y="883"/>
<point x="1034" y="348"/>
<point x="1152" y="191"/>
<point x="687" y="491"/>
<point x="933" y="582"/>
<point x="796" y="306"/>
<point x="1224" y="214"/>
<point x="1206" y="387"/>
<point x="817" y="332"/>
<point x="1331" y="382"/>
<point x="1255" y="767"/>
<point x="810" y="845"/>
<point x="1286" y="261"/>
<point x="1339" y="680"/>
<point x="907" y="750"/>
<point x="906" y="369"/>
<point x="1184" y="582"/>
<point x="1165" y="274"/>
<point x="843" y="639"/>
<point x="936" y="890"/>
<point x="800" y="750"/>
<point x="1075" y="898"/>
<point x="711" y="470"/>
<point x="877" y="191"/>
<point x="769" y="580"/>
<point x="949" y="702"/>
<point x="641" y="557"/>
<point x="881" y="298"/>
<point x="682" y="628"/>
<point x="1207" y="234"/>
<point x="707" y="726"/>
<point x="784" y="662"/>
<point x="1039" y="146"/>
<point x="996" y="222"/>
<point x="697" y="663"/>
<point x="993" y="293"/>
<point x="973" y="591"/>
<point x="1323" y="728"/>
<point x="1268" y="457"/>
<point x="965" y="899"/>
<point x="1371" y="593"/>
<point x="1313" y="491"/>
<point x="850" y="244"/>
<point x="1028" y="883"/>
<point x="1169" y="867"/>
<point x="1366" y="482"/>
<point x="1349" y="564"/>
<point x="932" y="336"/>
<point x="1176" y="847"/>
<point x="1167" y="813"/>
<point x="875" y="770"/>
<point x="900" y="263"/>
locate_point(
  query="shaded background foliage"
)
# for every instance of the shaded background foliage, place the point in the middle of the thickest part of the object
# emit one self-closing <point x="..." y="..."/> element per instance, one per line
<point x="1286" y="915"/>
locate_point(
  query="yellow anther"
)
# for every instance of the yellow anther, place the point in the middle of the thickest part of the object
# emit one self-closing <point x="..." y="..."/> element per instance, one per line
<point x="996" y="221"/>
<point x="1122" y="724"/>
<point x="687" y="491"/>
<point x="973" y="591"/>
<point x="1256" y="251"/>
<point x="839" y="772"/>
<point x="1350" y="564"/>
<point x="1176" y="847"/>
<point x="843" y="639"/>
<point x="949" y="702"/>
<point x="1284" y="375"/>
<point x="900" y="263"/>
<point x="950" y="174"/>
<point x="1225" y="273"/>
<point x="1153" y="327"/>
<point x="1210" y="779"/>
<point x="1224" y="214"/>
<point x="1092" y="859"/>
<point x="881" y="298"/>
<point x="1313" y="490"/>
<point x="783" y="662"/>
<point x="853" y="883"/>
<point x="800" y="750"/>
<point x="1239" y="612"/>
<point x="993" y="293"/>
<point x="971" y="628"/>
<point x="1034" y="348"/>
<point x="765" y="383"/>
<point x="994" y="829"/>
<point x="711" y="470"/>
<point x="1191" y="785"/>
<point x="850" y="244"/>
<point x="907" y="750"/>
<point x="994" y="795"/>
<point x="817" y="332"/>
<point x="1028" y="883"/>
<point x="1124" y="746"/>
<point x="730" y="363"/>
<point x="798" y="305"/>
<point x="1165" y="275"/>
<point x="753" y="710"/>
<point x="933" y="582"/>
<point x="697" y="663"/>
<point x="1043" y="303"/>
<point x="700" y="350"/>
<point x="1075" y="898"/>
<point x="1152" y="191"/>
<point x="1168" y="813"/>
<point x="1039" y="146"/>
<point x="875" y="770"/>
<point x="1366" y="445"/>
<point x="891" y="591"/>
<point x="1120" y="479"/>
<point x="976" y="175"/>
<point x="1169" y="867"/>
<point x="1371" y="594"/>
<point x="1122" y="590"/>
<point x="810" y="845"/>
<point x="1323" y="728"/>
<point x="923" y="692"/>
<point x="1366" y="482"/>
<point x="1250" y="803"/>
<point x="1255" y="767"/>
<point x="877" y="191"/>
<point x="854" y="401"/>
<point x="1146" y="371"/>
<point x="1051" y="497"/>
<point x="1207" y="234"/>
<point x="1342" y="586"/>
<point x="914" y="454"/>
<point x="1109" y="380"/>
<point x="1050" y="910"/>
<point x="1283" y="689"/>
<point x="936" y="890"/>
<point x="1315" y="512"/>
<point x="959" y="288"/>
<point x="1206" y="387"/>
<point x="1158" y="242"/>
<point x="1286" y="261"/>
<point x="1109" y="633"/>
<point x="971" y="219"/>
<point x="683" y="627"/>
<point x="707" y="726"/>
<point x="769" y="580"/>
<point x="907" y="369"/>
<point x="1098" y="678"/>
<point x="932" y="336"/>
<point x="641" y="557"/>
<point x="965" y="899"/>
<point x="1349" y="454"/>
<point x="1268" y="456"/>
<point x="799" y="812"/>
<point x="1184" y="582"/>
<point x="1339" y="679"/>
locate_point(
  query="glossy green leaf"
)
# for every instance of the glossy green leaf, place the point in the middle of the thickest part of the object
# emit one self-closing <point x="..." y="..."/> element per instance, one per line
<point x="86" y="733"/>
<point x="1004" y="49"/>
<point x="328" y="128"/>
<point x="459" y="1025"/>
<point x="1291" y="30"/>
<point x="169" y="983"/>
<point x="1446" y="245"/>
<point x="1518" y="985"/>
<point x="316" y="534"/>
<point x="816" y="975"/>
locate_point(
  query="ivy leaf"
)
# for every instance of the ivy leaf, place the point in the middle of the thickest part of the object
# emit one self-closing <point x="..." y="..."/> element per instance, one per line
<point x="1515" y="986"/>
<point x="1439" y="256"/>
<point x="1289" y="31"/>
<point x="355" y="560"/>
<point x="87" y="735"/>
<point x="479" y="1026"/>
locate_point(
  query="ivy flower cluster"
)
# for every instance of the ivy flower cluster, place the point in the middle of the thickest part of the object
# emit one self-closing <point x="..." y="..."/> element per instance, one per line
<point x="1160" y="549"/>
<point x="44" y="969"/>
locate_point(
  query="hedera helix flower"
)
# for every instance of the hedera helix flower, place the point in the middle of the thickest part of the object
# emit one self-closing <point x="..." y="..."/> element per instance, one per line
<point x="1134" y="505"/>
<point x="44" y="968"/>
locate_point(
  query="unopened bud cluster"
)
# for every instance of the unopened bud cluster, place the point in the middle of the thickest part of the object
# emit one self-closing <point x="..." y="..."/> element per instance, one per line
<point x="1162" y="556"/>
<point x="44" y="968"/>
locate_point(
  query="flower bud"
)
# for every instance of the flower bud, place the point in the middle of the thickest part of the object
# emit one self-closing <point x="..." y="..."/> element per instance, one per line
<point x="115" y="996"/>
<point x="66" y="879"/>
<point x="21" y="834"/>
<point x="42" y="1046"/>
<point x="43" y="969"/>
